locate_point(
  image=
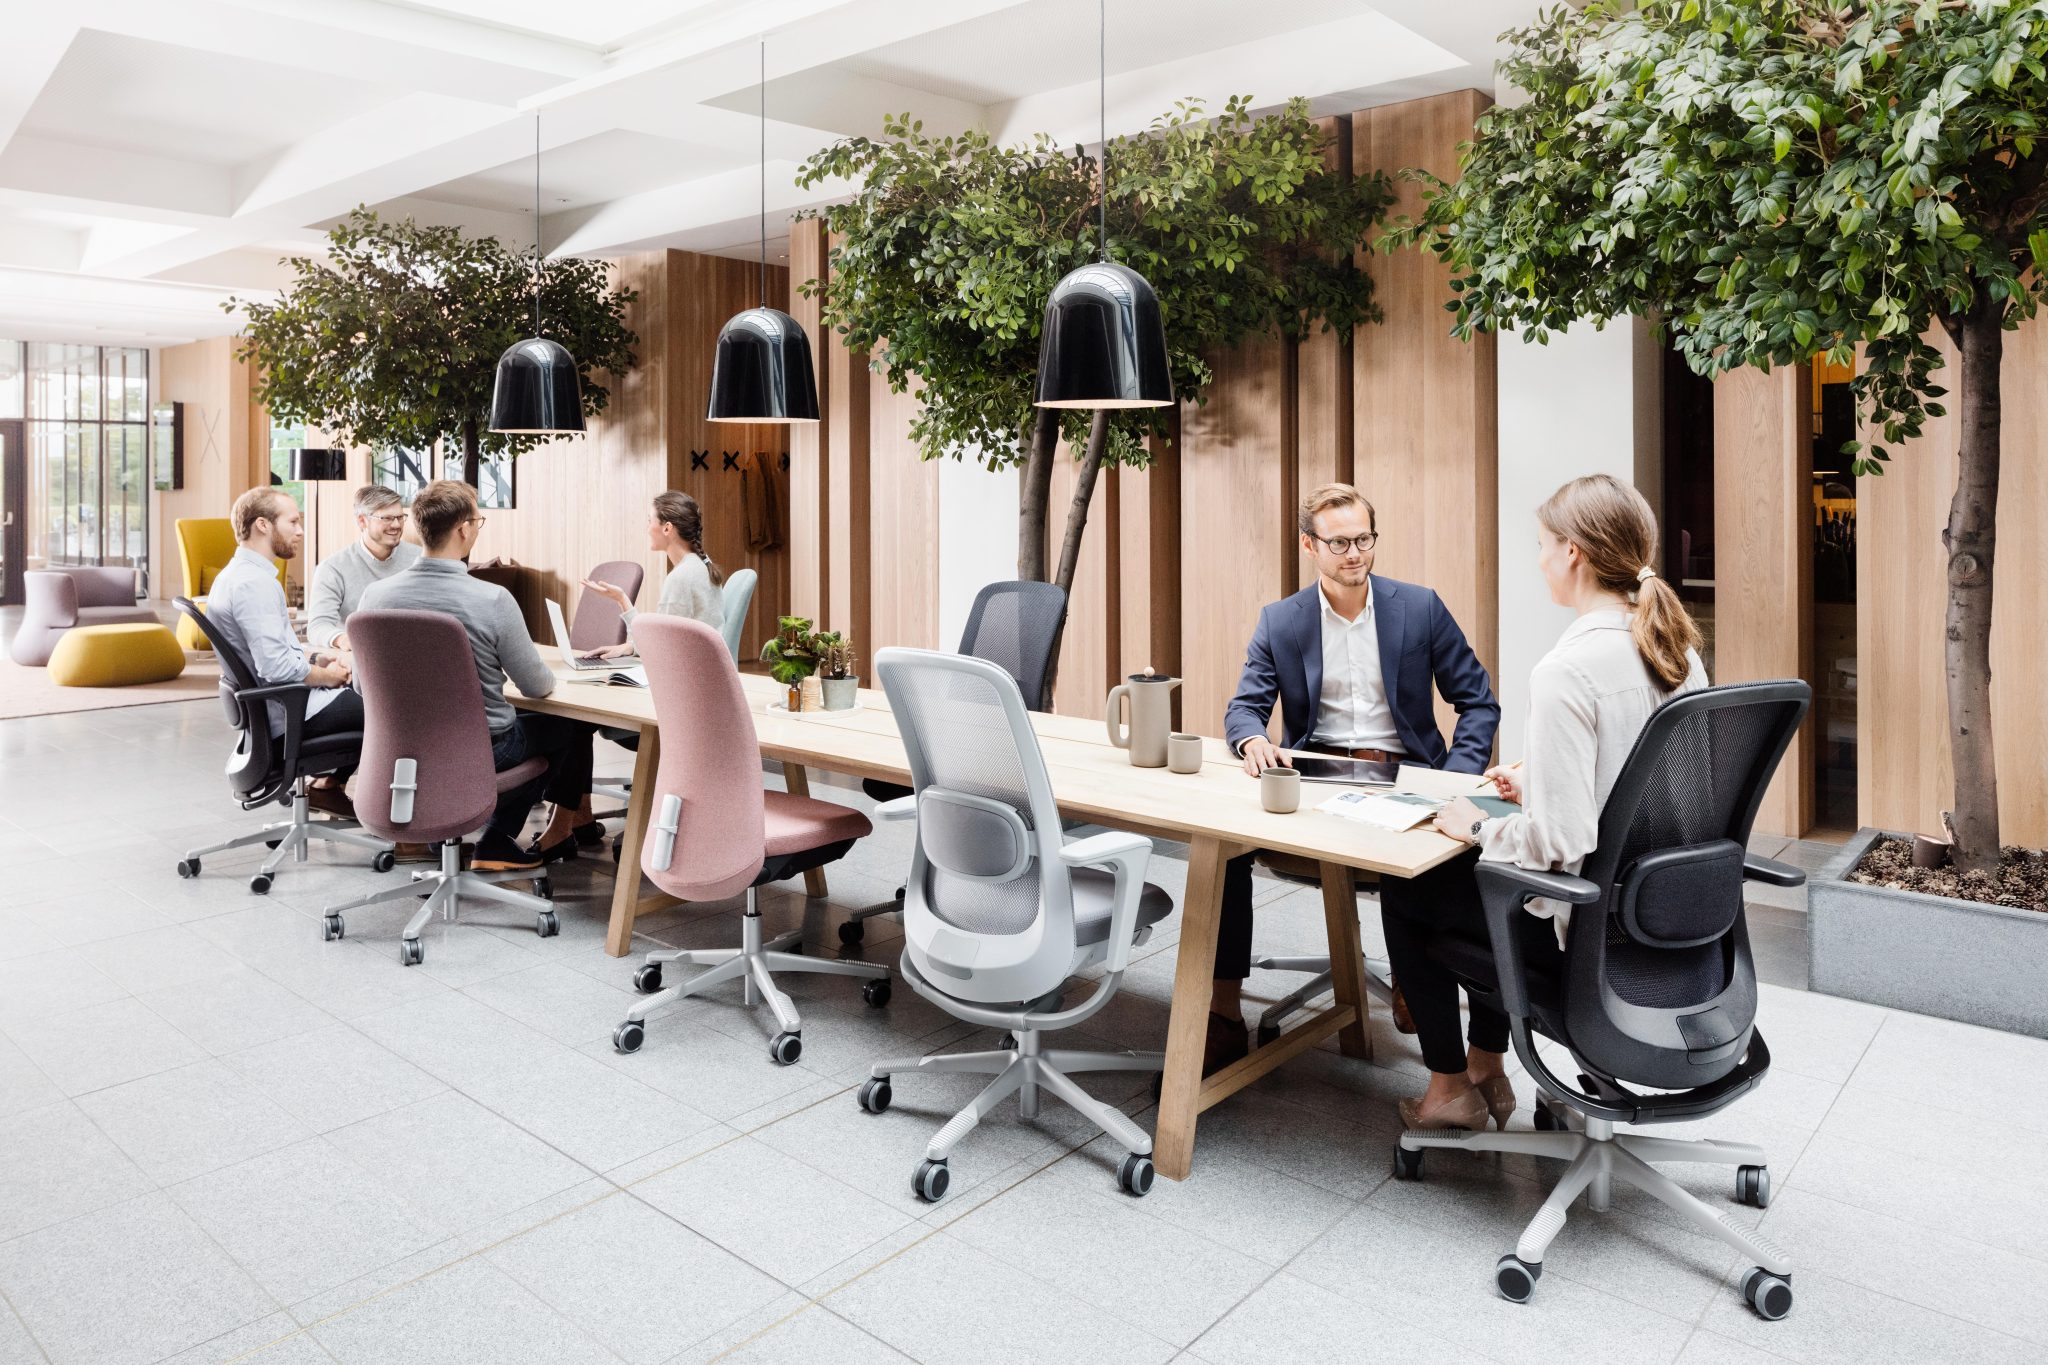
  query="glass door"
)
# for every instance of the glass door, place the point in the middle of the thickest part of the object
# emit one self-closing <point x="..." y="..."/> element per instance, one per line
<point x="13" y="471"/>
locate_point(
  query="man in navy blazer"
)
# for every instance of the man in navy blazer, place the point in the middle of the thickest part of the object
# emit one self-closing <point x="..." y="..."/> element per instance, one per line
<point x="1353" y="661"/>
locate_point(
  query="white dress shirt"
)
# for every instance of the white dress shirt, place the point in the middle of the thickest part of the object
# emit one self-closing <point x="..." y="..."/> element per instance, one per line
<point x="246" y="605"/>
<point x="1352" y="710"/>
<point x="1589" y="698"/>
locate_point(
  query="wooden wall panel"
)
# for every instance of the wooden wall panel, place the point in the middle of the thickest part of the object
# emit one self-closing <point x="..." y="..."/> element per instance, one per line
<point x="1087" y="657"/>
<point x="1147" y="581"/>
<point x="1424" y="418"/>
<point x="1763" y="534"/>
<point x="903" y="568"/>
<point x="1323" y="402"/>
<point x="222" y="459"/>
<point x="1904" y="773"/>
<point x="810" y="486"/>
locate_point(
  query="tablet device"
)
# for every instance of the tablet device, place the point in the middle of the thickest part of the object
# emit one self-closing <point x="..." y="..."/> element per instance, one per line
<point x="1355" y="772"/>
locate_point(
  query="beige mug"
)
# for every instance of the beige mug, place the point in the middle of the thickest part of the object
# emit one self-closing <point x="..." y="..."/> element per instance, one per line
<point x="1184" y="753"/>
<point x="1280" y="790"/>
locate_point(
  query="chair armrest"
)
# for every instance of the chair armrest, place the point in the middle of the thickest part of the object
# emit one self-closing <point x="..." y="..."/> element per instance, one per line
<point x="1503" y="890"/>
<point x="902" y="808"/>
<point x="1771" y="872"/>
<point x="1126" y="856"/>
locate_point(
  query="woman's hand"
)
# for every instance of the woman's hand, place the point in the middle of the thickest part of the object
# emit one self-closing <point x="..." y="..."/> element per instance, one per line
<point x="610" y="591"/>
<point x="610" y="651"/>
<point x="1507" y="780"/>
<point x="1456" y="820"/>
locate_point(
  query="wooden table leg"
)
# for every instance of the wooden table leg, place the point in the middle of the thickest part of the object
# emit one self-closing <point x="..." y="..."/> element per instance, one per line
<point x="1187" y="1024"/>
<point x="798" y="783"/>
<point x="1347" y="964"/>
<point x="618" y="937"/>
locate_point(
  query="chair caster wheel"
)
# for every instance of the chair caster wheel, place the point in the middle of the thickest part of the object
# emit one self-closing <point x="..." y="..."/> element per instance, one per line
<point x="1516" y="1278"/>
<point x="1769" y="1296"/>
<point x="1753" y="1186"/>
<point x="901" y="892"/>
<point x="931" y="1180"/>
<point x="648" y="979"/>
<point x="785" y="1048"/>
<point x="1007" y="1043"/>
<point x="545" y="889"/>
<point x="1268" y="1033"/>
<point x="332" y="929"/>
<point x="1407" y="1164"/>
<point x="547" y="924"/>
<point x="384" y="861"/>
<point x="260" y="883"/>
<point x="188" y="868"/>
<point x="852" y="932"/>
<point x="411" y="952"/>
<point x="1547" y="1122"/>
<point x="1134" y="1175"/>
<point x="876" y="992"/>
<point x="875" y="1095"/>
<point x="628" y="1036"/>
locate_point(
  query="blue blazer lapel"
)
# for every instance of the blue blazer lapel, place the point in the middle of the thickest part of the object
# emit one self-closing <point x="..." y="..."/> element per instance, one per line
<point x="1387" y="617"/>
<point x="1308" y="640"/>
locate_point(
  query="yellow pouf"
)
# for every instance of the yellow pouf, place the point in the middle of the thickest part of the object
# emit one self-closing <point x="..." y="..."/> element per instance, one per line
<point x="116" y="656"/>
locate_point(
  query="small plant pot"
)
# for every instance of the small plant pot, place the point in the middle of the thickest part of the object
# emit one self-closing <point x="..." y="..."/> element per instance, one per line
<point x="840" y="693"/>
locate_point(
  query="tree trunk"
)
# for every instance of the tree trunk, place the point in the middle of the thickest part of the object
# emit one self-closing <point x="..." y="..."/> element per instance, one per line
<point x="471" y="456"/>
<point x="1035" y="494"/>
<point x="1077" y="526"/>
<point x="1971" y="540"/>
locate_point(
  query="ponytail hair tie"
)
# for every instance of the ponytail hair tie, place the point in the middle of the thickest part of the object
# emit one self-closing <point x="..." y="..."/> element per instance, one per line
<point x="1645" y="574"/>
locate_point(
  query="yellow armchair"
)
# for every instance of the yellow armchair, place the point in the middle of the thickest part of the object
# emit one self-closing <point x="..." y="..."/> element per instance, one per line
<point x="205" y="545"/>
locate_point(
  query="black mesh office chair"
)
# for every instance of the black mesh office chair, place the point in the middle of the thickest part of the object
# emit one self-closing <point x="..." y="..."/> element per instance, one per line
<point x="267" y="766"/>
<point x="1657" y="988"/>
<point x="1014" y="625"/>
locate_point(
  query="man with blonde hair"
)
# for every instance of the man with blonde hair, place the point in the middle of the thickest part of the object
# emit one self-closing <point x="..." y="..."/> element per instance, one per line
<point x="246" y="606"/>
<point x="378" y="551"/>
<point x="1354" y="661"/>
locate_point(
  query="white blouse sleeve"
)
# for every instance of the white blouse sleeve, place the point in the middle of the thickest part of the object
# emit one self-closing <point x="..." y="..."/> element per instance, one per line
<point x="1560" y="816"/>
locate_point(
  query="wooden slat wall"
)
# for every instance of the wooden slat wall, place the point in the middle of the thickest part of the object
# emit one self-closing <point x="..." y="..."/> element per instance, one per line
<point x="1148" y="564"/>
<point x="1323" y="389"/>
<point x="1763" y="534"/>
<point x="1088" y="664"/>
<point x="1904" y="776"/>
<point x="1424" y="418"/>
<point x="903" y="523"/>
<point x="810" y="483"/>
<point x="225" y="446"/>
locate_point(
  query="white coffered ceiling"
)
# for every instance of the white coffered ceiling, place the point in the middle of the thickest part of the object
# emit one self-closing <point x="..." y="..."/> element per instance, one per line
<point x="157" y="156"/>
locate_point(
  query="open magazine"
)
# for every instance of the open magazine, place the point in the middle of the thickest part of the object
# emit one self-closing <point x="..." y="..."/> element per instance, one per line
<point x="618" y="677"/>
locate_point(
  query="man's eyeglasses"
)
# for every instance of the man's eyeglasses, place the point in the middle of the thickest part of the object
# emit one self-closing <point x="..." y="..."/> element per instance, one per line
<point x="1343" y="545"/>
<point x="397" y="519"/>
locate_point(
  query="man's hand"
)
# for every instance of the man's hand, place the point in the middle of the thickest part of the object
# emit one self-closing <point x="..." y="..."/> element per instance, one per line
<point x="333" y="673"/>
<point x="1261" y="753"/>
<point x="610" y="652"/>
<point x="341" y="642"/>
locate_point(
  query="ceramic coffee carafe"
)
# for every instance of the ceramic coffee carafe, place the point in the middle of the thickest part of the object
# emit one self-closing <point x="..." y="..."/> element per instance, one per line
<point x="1151" y="704"/>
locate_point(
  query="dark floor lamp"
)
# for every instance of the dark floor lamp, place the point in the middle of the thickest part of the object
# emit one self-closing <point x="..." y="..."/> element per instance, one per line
<point x="313" y="468"/>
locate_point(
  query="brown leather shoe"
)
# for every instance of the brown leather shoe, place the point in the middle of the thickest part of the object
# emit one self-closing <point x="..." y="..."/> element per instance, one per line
<point x="331" y="801"/>
<point x="1229" y="1041"/>
<point x="1404" y="1022"/>
<point x="416" y="853"/>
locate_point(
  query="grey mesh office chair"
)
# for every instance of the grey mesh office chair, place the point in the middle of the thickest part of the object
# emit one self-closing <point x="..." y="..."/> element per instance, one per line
<point x="1657" y="988"/>
<point x="1015" y="625"/>
<point x="1001" y="909"/>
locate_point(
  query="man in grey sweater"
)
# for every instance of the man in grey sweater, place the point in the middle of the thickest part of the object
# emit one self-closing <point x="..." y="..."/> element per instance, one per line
<point x="449" y="525"/>
<point x="378" y="552"/>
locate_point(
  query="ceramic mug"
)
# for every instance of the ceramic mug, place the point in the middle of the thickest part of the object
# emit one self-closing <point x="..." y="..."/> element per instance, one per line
<point x="1184" y="753"/>
<point x="1280" y="790"/>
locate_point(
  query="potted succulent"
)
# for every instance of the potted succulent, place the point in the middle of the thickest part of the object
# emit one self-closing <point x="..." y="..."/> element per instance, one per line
<point x="791" y="656"/>
<point x="840" y="684"/>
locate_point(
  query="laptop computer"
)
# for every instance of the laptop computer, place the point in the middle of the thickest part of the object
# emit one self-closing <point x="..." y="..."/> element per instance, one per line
<point x="569" y="656"/>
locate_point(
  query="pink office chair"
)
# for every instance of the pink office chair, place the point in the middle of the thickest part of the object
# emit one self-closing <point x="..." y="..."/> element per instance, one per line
<point x="715" y="831"/>
<point x="426" y="771"/>
<point x="599" y="621"/>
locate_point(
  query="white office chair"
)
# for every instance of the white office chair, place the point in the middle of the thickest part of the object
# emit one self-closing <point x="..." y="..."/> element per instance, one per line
<point x="1001" y="910"/>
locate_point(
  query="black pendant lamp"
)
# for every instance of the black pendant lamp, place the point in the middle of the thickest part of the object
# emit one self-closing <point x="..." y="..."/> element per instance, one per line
<point x="1104" y="344"/>
<point x="762" y="371"/>
<point x="537" y="392"/>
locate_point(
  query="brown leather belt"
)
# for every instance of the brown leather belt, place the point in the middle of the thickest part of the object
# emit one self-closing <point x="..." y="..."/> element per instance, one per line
<point x="1370" y="755"/>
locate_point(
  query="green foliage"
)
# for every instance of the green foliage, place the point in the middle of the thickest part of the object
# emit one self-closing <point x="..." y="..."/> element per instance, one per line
<point x="393" y="339"/>
<point x="792" y="654"/>
<point x="836" y="656"/>
<point x="1769" y="180"/>
<point x="952" y="244"/>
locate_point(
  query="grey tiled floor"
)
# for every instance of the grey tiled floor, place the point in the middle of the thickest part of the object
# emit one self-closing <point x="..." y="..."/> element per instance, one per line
<point x="223" y="1139"/>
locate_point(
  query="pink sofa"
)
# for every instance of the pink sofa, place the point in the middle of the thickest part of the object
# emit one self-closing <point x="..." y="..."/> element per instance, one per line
<point x="58" y="599"/>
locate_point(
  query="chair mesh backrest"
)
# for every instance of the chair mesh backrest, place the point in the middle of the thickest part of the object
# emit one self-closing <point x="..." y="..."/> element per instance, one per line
<point x="599" y="621"/>
<point x="1014" y="626"/>
<point x="959" y="737"/>
<point x="1689" y="791"/>
<point x="257" y="757"/>
<point x="421" y="701"/>
<point x="736" y="594"/>
<point x="710" y="757"/>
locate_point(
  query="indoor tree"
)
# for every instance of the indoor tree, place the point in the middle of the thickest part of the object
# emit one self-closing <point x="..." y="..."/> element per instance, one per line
<point x="950" y="246"/>
<point x="393" y="338"/>
<point x="1774" y="180"/>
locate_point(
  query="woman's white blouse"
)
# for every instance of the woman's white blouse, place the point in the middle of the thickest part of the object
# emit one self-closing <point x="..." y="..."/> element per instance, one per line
<point x="1589" y="698"/>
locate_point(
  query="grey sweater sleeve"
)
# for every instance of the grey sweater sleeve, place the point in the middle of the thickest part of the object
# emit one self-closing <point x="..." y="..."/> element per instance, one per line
<point x="516" y="652"/>
<point x="323" y="605"/>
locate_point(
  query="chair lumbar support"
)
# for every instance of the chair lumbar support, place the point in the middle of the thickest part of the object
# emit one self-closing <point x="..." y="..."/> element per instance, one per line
<point x="442" y="891"/>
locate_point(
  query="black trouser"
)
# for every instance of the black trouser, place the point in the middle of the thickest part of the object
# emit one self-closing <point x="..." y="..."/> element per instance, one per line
<point x="1234" y="928"/>
<point x="564" y="743"/>
<point x="338" y="717"/>
<point x="1444" y="903"/>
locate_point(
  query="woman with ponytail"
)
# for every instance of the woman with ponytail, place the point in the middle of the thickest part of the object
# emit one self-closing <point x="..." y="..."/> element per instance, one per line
<point x="1631" y="648"/>
<point x="675" y="528"/>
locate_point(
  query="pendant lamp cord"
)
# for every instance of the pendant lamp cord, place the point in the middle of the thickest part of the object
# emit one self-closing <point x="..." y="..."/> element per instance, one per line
<point x="1102" y="111"/>
<point x="536" y="222"/>
<point x="764" y="170"/>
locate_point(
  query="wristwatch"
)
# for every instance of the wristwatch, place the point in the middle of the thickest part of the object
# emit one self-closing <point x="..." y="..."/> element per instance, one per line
<point x="1476" y="826"/>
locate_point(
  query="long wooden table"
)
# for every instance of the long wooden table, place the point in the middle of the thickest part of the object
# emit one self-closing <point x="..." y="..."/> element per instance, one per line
<point x="1216" y="812"/>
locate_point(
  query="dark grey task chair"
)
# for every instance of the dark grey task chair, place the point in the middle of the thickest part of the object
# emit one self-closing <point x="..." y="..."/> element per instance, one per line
<point x="268" y="766"/>
<point x="1657" y="988"/>
<point x="1014" y="625"/>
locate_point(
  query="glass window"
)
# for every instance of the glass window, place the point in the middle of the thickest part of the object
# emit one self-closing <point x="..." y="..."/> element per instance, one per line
<point x="285" y="437"/>
<point x="404" y="472"/>
<point x="87" y="410"/>
<point x="496" y="481"/>
<point x="13" y="397"/>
